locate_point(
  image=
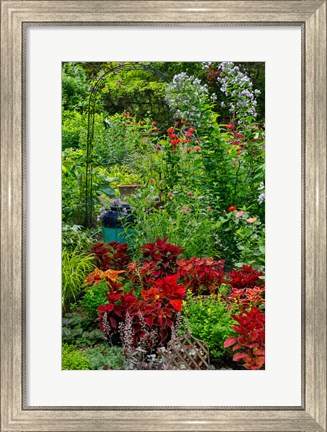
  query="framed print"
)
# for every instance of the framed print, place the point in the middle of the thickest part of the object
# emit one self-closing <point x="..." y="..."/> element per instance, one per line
<point x="72" y="77"/>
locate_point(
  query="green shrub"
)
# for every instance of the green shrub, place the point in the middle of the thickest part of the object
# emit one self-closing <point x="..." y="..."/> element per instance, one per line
<point x="75" y="267"/>
<point x="93" y="298"/>
<point x="209" y="321"/>
<point x="73" y="359"/>
<point x="104" y="356"/>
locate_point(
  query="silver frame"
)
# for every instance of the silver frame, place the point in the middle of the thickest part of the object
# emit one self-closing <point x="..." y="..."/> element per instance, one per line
<point x="310" y="15"/>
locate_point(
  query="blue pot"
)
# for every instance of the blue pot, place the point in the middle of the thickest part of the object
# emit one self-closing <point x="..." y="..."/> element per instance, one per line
<point x="113" y="235"/>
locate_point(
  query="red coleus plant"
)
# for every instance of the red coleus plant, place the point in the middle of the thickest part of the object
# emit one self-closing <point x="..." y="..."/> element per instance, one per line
<point x="250" y="344"/>
<point x="119" y="304"/>
<point x="99" y="276"/>
<point x="158" y="308"/>
<point x="169" y="292"/>
<point x="246" y="277"/>
<point x="161" y="304"/>
<point x="142" y="274"/>
<point x="246" y="298"/>
<point x="111" y="255"/>
<point x="164" y="255"/>
<point x="201" y="275"/>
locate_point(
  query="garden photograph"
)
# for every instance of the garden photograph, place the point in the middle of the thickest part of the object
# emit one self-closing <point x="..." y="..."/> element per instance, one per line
<point x="163" y="216"/>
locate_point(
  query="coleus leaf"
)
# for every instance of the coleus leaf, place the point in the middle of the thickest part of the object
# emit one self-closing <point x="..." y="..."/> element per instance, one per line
<point x="229" y="342"/>
<point x="177" y="304"/>
<point x="239" y="356"/>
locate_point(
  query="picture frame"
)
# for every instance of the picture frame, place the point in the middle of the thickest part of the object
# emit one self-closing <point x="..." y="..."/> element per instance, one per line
<point x="310" y="15"/>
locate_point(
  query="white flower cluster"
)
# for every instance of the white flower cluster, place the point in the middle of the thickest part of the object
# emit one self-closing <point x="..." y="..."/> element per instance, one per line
<point x="262" y="196"/>
<point x="187" y="97"/>
<point x="239" y="91"/>
<point x="206" y="65"/>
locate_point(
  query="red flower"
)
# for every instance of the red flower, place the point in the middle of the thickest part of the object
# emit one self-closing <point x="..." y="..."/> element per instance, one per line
<point x="176" y="123"/>
<point x="154" y="123"/>
<point x="197" y="148"/>
<point x="229" y="126"/>
<point x="231" y="208"/>
<point x="191" y="130"/>
<point x="172" y="136"/>
<point x="170" y="130"/>
<point x="175" y="142"/>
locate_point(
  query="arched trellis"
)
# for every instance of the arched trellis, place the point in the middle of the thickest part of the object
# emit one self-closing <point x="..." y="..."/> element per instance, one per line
<point x="88" y="220"/>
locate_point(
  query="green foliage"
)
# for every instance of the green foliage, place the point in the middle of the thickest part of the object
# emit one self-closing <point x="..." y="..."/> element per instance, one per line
<point x="74" y="87"/>
<point x="73" y="162"/>
<point x="76" y="237"/>
<point x="73" y="359"/>
<point x="73" y="186"/>
<point x="93" y="298"/>
<point x="79" y="330"/>
<point x="242" y="239"/>
<point x="209" y="321"/>
<point x="118" y="139"/>
<point x="75" y="267"/>
<point x="194" y="231"/>
<point x="173" y="201"/>
<point x="105" y="357"/>
<point x="74" y="129"/>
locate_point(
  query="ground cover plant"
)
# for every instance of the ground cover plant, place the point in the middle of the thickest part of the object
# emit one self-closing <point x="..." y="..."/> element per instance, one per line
<point x="163" y="211"/>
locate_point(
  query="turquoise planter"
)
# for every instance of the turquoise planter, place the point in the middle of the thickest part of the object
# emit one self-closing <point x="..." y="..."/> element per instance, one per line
<point x="113" y="235"/>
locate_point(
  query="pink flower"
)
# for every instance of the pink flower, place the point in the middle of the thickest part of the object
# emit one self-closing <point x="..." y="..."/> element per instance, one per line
<point x="251" y="220"/>
<point x="184" y="209"/>
<point x="189" y="193"/>
<point x="170" y="194"/>
<point x="152" y="180"/>
<point x="239" y="214"/>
